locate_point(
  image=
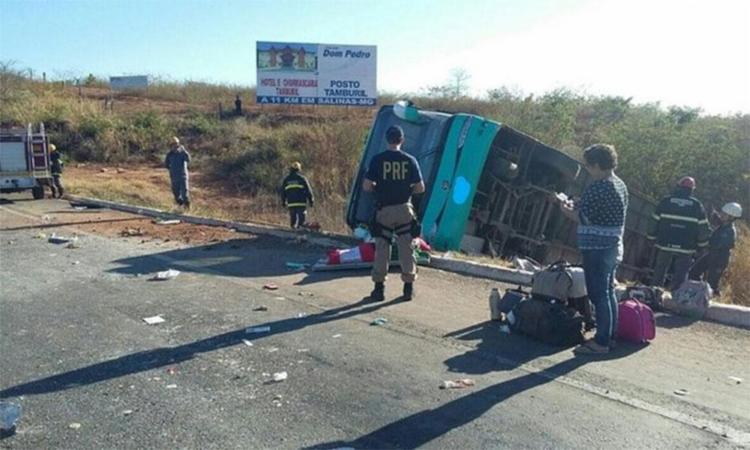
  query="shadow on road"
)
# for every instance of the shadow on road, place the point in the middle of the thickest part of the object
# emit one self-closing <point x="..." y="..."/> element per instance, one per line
<point x="252" y="257"/>
<point x="673" y="321"/>
<point x="160" y="357"/>
<point x="425" y="426"/>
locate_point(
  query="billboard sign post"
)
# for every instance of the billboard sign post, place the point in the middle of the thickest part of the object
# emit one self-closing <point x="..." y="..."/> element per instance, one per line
<point x="316" y="74"/>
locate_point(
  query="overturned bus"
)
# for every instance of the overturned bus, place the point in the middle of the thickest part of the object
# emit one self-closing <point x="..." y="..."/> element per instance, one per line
<point x="491" y="189"/>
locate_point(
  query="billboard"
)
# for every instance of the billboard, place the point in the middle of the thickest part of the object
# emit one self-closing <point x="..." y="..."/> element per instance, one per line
<point x="316" y="74"/>
<point x="129" y="82"/>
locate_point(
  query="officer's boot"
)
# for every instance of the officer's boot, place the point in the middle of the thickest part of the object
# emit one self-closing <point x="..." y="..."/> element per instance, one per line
<point x="60" y="192"/>
<point x="408" y="291"/>
<point x="186" y="204"/>
<point x="378" y="293"/>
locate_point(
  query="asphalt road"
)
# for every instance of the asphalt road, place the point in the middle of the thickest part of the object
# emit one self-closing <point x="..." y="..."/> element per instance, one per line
<point x="89" y="373"/>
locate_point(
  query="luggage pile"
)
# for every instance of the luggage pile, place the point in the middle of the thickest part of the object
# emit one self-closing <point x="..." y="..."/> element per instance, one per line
<point x="557" y="310"/>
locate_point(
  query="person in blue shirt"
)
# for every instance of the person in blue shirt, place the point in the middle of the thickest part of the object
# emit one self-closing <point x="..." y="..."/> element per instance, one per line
<point x="601" y="224"/>
<point x="394" y="176"/>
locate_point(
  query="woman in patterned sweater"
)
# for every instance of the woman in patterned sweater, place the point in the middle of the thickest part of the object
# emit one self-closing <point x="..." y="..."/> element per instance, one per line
<point x="601" y="223"/>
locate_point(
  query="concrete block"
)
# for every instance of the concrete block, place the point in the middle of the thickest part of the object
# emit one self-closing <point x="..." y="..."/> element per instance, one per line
<point x="734" y="315"/>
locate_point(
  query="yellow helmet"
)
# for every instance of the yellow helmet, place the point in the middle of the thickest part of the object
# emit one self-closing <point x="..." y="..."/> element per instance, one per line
<point x="296" y="165"/>
<point x="52" y="147"/>
<point x="176" y="140"/>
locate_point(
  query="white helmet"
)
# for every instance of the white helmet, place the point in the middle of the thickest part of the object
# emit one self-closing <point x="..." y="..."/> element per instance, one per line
<point x="732" y="209"/>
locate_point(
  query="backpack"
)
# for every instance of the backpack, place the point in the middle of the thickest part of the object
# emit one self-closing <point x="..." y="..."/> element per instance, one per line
<point x="652" y="296"/>
<point x="559" y="281"/>
<point x="635" y="322"/>
<point x="548" y="322"/>
<point x="692" y="297"/>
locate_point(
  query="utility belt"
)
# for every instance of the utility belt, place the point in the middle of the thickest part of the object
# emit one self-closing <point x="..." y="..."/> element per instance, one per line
<point x="414" y="228"/>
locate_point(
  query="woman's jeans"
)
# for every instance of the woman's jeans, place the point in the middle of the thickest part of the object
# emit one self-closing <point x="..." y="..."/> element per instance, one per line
<point x="599" y="267"/>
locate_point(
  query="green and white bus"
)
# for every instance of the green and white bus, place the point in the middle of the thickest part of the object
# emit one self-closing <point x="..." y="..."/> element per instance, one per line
<point x="491" y="189"/>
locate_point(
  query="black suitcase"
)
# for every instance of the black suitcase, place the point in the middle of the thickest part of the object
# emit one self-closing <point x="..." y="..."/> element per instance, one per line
<point x="551" y="323"/>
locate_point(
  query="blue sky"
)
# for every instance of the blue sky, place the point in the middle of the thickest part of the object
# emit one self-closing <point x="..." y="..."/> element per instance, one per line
<point x="680" y="52"/>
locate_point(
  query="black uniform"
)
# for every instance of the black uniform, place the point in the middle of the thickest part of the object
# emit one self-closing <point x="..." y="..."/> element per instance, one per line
<point x="713" y="263"/>
<point x="680" y="227"/>
<point x="56" y="166"/>
<point x="296" y="194"/>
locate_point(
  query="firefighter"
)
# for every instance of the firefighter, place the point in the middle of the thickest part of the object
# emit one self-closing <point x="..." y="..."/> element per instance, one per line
<point x="720" y="245"/>
<point x="296" y="194"/>
<point x="680" y="227"/>
<point x="177" y="162"/>
<point x="394" y="176"/>
<point x="56" y="167"/>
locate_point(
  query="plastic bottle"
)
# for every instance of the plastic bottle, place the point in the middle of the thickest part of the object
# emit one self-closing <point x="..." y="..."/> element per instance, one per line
<point x="9" y="414"/>
<point x="495" y="305"/>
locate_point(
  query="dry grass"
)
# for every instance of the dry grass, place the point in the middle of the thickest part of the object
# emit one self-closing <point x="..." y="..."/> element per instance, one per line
<point x="737" y="277"/>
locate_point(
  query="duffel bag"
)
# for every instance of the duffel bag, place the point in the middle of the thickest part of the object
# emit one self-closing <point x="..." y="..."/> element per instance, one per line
<point x="548" y="322"/>
<point x="505" y="304"/>
<point x="652" y="296"/>
<point x="692" y="298"/>
<point x="559" y="281"/>
<point x="635" y="322"/>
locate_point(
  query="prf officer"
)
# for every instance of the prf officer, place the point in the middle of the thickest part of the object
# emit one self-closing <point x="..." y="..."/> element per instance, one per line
<point x="394" y="176"/>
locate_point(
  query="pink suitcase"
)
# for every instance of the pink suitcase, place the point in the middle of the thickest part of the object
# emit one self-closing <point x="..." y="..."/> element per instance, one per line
<point x="635" y="322"/>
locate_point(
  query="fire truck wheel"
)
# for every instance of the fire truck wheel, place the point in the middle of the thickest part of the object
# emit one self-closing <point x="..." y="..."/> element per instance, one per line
<point x="38" y="192"/>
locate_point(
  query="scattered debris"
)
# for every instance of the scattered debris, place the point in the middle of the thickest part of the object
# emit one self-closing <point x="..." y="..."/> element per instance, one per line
<point x="73" y="244"/>
<point x="171" y="371"/>
<point x="336" y="336"/>
<point x="84" y="205"/>
<point x="153" y="320"/>
<point x="80" y="208"/>
<point x="279" y="298"/>
<point x="526" y="264"/>
<point x="40" y="236"/>
<point x="296" y="266"/>
<point x="75" y="263"/>
<point x="262" y="329"/>
<point x="681" y="392"/>
<point x="167" y="222"/>
<point x="166" y="275"/>
<point x="131" y="232"/>
<point x="261" y="308"/>
<point x="55" y="239"/>
<point x="127" y="412"/>
<point x="457" y="384"/>
<point x="74" y="426"/>
<point x="379" y="321"/>
<point x="270" y="287"/>
<point x="301" y="315"/>
<point x="246" y="342"/>
<point x="277" y="400"/>
<point x="280" y="376"/>
<point x="171" y="386"/>
<point x="9" y="414"/>
<point x="272" y="349"/>
<point x="737" y="380"/>
<point x="303" y="350"/>
<point x="11" y="242"/>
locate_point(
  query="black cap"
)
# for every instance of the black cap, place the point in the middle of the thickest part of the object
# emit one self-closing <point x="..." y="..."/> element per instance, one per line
<point x="394" y="134"/>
